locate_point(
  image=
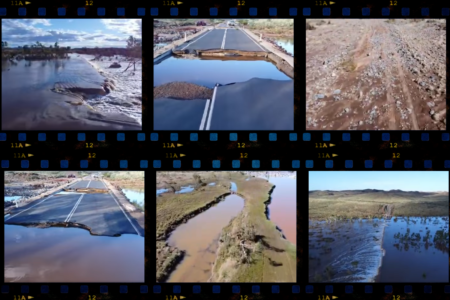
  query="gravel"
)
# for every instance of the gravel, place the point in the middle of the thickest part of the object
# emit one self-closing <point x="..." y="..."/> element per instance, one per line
<point x="182" y="90"/>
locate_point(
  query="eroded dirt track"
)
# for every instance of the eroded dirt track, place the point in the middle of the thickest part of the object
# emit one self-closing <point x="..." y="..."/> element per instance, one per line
<point x="376" y="75"/>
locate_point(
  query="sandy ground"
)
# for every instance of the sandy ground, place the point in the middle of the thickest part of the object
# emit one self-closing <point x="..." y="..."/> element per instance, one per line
<point x="182" y="90"/>
<point x="376" y="75"/>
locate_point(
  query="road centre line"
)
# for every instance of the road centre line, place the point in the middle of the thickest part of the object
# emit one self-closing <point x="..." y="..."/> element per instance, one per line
<point x="208" y="125"/>
<point x="195" y="40"/>
<point x="124" y="212"/>
<point x="253" y="40"/>
<point x="224" y="37"/>
<point x="89" y="183"/>
<point x="74" y="208"/>
<point x="28" y="208"/>
<point x="205" y="114"/>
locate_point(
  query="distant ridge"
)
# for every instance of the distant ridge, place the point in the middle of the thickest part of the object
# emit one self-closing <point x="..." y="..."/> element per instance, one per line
<point x="395" y="192"/>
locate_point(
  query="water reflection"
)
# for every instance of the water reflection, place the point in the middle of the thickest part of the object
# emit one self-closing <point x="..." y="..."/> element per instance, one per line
<point x="160" y="191"/>
<point x="233" y="187"/>
<point x="212" y="183"/>
<point x="12" y="198"/>
<point x="283" y="207"/>
<point x="209" y="72"/>
<point x="286" y="43"/>
<point x="396" y="250"/>
<point x="185" y="189"/>
<point x="71" y="255"/>
<point x="136" y="196"/>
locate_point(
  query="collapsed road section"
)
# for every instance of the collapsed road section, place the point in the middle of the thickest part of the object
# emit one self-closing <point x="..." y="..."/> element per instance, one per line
<point x="246" y="81"/>
<point x="87" y="203"/>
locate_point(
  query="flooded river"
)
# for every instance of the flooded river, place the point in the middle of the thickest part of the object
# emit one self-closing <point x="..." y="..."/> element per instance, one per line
<point x="28" y="85"/>
<point x="135" y="195"/>
<point x="199" y="238"/>
<point x="71" y="255"/>
<point x="283" y="208"/>
<point x="286" y="43"/>
<point x="208" y="72"/>
<point x="378" y="250"/>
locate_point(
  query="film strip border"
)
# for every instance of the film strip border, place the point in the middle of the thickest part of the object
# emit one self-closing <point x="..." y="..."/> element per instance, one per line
<point x="175" y="289"/>
<point x="177" y="164"/>
<point x="232" y="137"/>
<point x="214" y="11"/>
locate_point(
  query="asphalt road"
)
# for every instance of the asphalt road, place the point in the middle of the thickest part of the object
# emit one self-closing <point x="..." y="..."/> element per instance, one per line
<point x="227" y="39"/>
<point x="257" y="104"/>
<point x="101" y="212"/>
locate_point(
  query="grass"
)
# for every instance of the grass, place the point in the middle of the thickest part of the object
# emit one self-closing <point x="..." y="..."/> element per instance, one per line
<point x="284" y="27"/>
<point x="348" y="65"/>
<point x="273" y="258"/>
<point x="124" y="175"/>
<point x="367" y="205"/>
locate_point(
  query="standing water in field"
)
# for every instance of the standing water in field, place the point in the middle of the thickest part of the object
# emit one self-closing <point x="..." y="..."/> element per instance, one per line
<point x="379" y="250"/>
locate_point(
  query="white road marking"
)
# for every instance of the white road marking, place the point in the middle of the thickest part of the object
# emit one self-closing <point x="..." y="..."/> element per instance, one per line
<point x="205" y="114"/>
<point x="224" y="37"/>
<point x="29" y="208"/>
<point x="253" y="40"/>
<point x="89" y="183"/>
<point x="195" y="40"/>
<point x="208" y="125"/>
<point x="124" y="212"/>
<point x="74" y="208"/>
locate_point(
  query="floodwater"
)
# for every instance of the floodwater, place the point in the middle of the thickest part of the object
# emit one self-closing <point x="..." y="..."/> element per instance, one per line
<point x="160" y="191"/>
<point x="416" y="250"/>
<point x="185" y="189"/>
<point x="199" y="238"/>
<point x="286" y="43"/>
<point x="135" y="195"/>
<point x="233" y="187"/>
<point x="212" y="183"/>
<point x="208" y="72"/>
<point x="283" y="207"/>
<point x="395" y="250"/>
<point x="29" y="104"/>
<point x="71" y="255"/>
<point x="12" y="198"/>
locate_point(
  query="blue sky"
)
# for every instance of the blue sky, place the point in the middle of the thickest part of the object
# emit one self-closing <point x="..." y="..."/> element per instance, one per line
<point x="71" y="32"/>
<point x="423" y="181"/>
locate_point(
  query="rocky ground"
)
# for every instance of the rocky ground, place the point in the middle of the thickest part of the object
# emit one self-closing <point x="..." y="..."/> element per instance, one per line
<point x="376" y="74"/>
<point x="182" y="90"/>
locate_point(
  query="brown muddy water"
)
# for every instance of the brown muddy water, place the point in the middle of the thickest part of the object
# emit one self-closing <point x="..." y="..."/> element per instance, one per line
<point x="283" y="207"/>
<point x="397" y="250"/>
<point x="71" y="255"/>
<point x="199" y="238"/>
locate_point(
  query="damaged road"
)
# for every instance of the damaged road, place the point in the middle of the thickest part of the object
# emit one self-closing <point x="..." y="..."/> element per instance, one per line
<point x="87" y="204"/>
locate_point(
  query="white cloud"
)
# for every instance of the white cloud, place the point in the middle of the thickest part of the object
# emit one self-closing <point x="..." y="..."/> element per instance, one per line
<point x="128" y="27"/>
<point x="18" y="32"/>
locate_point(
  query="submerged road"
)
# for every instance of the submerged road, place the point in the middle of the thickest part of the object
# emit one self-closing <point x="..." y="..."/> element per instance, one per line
<point x="256" y="104"/>
<point x="227" y="39"/>
<point x="101" y="212"/>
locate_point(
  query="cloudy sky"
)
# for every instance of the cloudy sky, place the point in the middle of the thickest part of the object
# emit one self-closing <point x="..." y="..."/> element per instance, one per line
<point x="75" y="33"/>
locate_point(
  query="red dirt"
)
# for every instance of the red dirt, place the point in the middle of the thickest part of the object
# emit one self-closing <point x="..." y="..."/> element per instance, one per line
<point x="376" y="75"/>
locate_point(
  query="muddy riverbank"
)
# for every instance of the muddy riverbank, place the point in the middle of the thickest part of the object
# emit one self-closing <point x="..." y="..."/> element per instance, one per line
<point x="174" y="209"/>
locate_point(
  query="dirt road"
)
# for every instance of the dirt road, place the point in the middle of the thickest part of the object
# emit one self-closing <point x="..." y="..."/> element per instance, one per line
<point x="376" y="74"/>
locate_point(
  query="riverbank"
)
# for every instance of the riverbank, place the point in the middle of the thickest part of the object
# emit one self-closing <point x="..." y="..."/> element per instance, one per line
<point x="369" y="204"/>
<point x="251" y="249"/>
